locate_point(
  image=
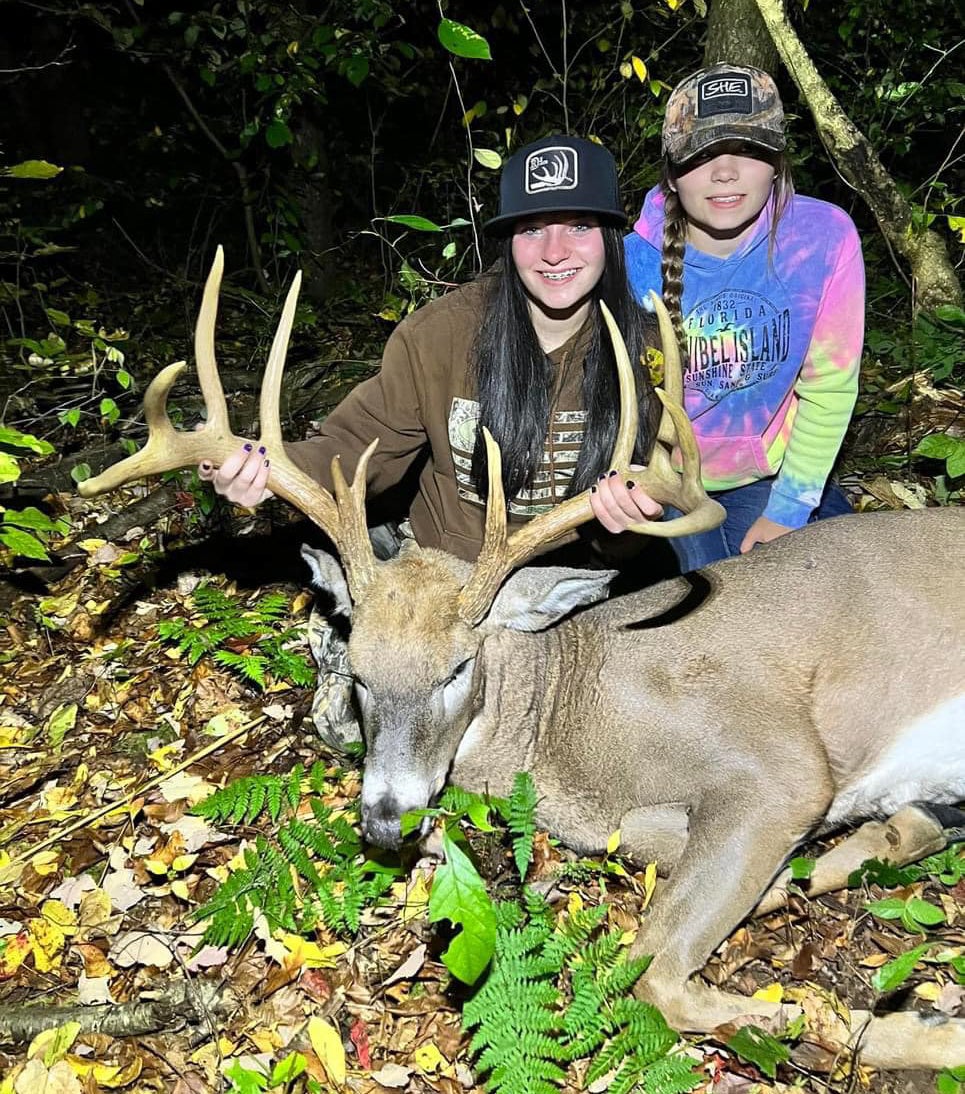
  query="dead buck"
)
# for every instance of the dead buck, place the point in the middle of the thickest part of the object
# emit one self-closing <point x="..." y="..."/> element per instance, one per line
<point x="715" y="721"/>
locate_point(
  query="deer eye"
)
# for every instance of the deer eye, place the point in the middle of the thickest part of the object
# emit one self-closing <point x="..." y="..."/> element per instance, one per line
<point x="458" y="672"/>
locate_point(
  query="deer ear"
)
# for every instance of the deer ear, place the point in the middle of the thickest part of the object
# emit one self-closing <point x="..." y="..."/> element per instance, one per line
<point x="539" y="596"/>
<point x="327" y="575"/>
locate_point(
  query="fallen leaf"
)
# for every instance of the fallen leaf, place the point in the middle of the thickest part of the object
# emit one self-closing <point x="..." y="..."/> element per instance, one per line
<point x="950" y="1000"/>
<point x="71" y="890"/>
<point x="328" y="1047"/>
<point x="140" y="948"/>
<point x="412" y="964"/>
<point x="94" y="990"/>
<point x="37" y="1079"/>
<point x="428" y="1058"/>
<point x="122" y="890"/>
<point x="359" y="1034"/>
<point x="392" y="1075"/>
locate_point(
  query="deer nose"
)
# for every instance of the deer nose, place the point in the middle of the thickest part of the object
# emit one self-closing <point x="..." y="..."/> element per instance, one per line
<point x="380" y="823"/>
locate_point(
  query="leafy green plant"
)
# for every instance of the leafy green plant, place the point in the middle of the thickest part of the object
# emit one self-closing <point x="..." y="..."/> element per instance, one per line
<point x="323" y="851"/>
<point x="26" y="531"/>
<point x="914" y="913"/>
<point x="558" y="992"/>
<point x="254" y="641"/>
<point x="947" y="867"/>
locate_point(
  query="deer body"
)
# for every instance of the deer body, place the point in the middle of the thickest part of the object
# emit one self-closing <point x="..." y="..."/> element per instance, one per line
<point x="811" y="684"/>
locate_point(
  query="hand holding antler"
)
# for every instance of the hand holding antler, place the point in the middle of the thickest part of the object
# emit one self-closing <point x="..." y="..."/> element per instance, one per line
<point x="243" y="477"/>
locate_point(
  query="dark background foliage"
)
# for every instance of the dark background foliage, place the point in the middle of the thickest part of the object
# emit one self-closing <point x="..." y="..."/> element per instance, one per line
<point x="288" y="132"/>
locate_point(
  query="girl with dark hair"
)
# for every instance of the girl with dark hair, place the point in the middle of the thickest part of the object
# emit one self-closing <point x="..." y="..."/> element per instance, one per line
<point x="766" y="292"/>
<point x="521" y="350"/>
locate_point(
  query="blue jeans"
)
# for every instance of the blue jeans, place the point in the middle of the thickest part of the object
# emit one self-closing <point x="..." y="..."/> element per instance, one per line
<point x="744" y="504"/>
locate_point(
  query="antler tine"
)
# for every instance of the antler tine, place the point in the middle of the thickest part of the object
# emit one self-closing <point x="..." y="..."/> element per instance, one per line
<point x="354" y="545"/>
<point x="673" y="379"/>
<point x="271" y="384"/>
<point x="490" y="569"/>
<point x="204" y="353"/>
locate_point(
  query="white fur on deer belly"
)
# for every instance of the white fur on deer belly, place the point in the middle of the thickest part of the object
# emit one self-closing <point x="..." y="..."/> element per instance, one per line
<point x="926" y="763"/>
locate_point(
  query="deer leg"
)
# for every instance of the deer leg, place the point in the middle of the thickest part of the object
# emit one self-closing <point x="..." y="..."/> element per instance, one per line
<point x="739" y="837"/>
<point x="657" y="834"/>
<point x="911" y="834"/>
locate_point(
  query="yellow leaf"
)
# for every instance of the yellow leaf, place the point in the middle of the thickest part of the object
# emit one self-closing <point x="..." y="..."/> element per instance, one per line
<point x="156" y="866"/>
<point x="929" y="991"/>
<point x="161" y="757"/>
<point x="180" y="863"/>
<point x="48" y="941"/>
<point x="180" y="890"/>
<point x="301" y="601"/>
<point x="673" y="4"/>
<point x="266" y="1040"/>
<point x="91" y="545"/>
<point x="416" y="899"/>
<point x="309" y="955"/>
<point x="639" y="68"/>
<point x="626" y="70"/>
<point x="520" y="104"/>
<point x="60" y="915"/>
<point x="16" y="947"/>
<point x="773" y="993"/>
<point x="428" y="1058"/>
<point x="613" y="842"/>
<point x="574" y="904"/>
<point x="110" y="1076"/>
<point x="328" y="1048"/>
<point x="52" y="1044"/>
<point x="649" y="883"/>
<point x="957" y="224"/>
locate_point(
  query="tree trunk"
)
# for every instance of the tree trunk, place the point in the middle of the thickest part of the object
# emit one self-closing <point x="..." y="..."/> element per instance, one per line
<point x="736" y="33"/>
<point x="934" y="281"/>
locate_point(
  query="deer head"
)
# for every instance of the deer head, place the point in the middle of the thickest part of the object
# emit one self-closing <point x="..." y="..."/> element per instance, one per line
<point x="418" y="620"/>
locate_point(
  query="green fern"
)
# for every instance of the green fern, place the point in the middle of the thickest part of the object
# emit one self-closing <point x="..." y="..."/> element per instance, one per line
<point x="322" y="852"/>
<point x="521" y="820"/>
<point x="250" y="641"/>
<point x="558" y="992"/>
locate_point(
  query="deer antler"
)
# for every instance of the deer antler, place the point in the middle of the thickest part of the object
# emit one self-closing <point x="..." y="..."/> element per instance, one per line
<point x="342" y="518"/>
<point x="502" y="553"/>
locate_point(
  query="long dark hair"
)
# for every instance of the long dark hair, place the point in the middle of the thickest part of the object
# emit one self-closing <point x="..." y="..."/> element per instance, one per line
<point x="514" y="376"/>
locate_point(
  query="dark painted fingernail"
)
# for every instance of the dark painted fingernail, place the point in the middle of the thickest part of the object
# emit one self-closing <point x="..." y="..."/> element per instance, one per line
<point x="205" y="466"/>
<point x="592" y="489"/>
<point x="247" y="447"/>
<point x="630" y="484"/>
<point x="261" y="450"/>
<point x="267" y="463"/>
<point x="612" y="473"/>
<point x="602" y="477"/>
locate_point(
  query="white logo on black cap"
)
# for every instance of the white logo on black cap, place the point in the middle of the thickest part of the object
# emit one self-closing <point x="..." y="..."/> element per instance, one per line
<point x="551" y="169"/>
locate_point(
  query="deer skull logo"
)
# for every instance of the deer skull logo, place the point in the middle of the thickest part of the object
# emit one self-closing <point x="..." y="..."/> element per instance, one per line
<point x="552" y="169"/>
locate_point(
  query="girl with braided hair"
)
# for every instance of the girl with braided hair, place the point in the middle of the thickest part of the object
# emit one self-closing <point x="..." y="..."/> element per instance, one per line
<point x="766" y="291"/>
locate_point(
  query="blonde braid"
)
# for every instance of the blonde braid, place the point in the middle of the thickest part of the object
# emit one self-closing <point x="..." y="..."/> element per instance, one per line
<point x="672" y="264"/>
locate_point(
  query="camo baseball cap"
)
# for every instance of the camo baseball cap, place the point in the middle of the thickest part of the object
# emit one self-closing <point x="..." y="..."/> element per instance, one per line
<point x="722" y="103"/>
<point x="558" y="174"/>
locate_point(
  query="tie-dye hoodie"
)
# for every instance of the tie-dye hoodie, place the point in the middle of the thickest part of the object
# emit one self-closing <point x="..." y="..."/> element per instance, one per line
<point x="775" y="348"/>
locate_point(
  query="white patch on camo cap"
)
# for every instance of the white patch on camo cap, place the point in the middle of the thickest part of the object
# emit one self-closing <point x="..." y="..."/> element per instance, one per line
<point x="726" y="94"/>
<point x="554" y="168"/>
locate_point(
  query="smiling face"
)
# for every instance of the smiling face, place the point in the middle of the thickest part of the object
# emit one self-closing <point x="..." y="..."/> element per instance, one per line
<point x="723" y="192"/>
<point x="559" y="259"/>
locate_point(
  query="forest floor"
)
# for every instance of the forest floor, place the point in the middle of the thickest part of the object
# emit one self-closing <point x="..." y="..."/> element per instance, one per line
<point x="109" y="736"/>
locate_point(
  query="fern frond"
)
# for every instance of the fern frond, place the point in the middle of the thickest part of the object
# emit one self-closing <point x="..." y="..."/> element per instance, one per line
<point x="522" y="820"/>
<point x="671" y="1075"/>
<point x="251" y="665"/>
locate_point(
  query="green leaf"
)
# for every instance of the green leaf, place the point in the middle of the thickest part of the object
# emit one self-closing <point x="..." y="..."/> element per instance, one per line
<point x="420" y="224"/>
<point x="288" y="1070"/>
<point x="61" y="318"/>
<point x="449" y="251"/>
<point x="892" y="908"/>
<point x="759" y="1048"/>
<point x="355" y="69"/>
<point x="463" y="42"/>
<point x="35" y="520"/>
<point x="32" y="169"/>
<point x="951" y="1080"/>
<point x="927" y="914"/>
<point x="801" y="868"/>
<point x="61" y="722"/>
<point x="80" y="472"/>
<point x="16" y="439"/>
<point x="277" y="134"/>
<point x="23" y="543"/>
<point x="69" y="417"/>
<point x="245" y="1081"/>
<point x="459" y="895"/>
<point x="488" y="158"/>
<point x="9" y="468"/>
<point x="896" y="972"/>
<point x="124" y="378"/>
<point x="950" y="313"/>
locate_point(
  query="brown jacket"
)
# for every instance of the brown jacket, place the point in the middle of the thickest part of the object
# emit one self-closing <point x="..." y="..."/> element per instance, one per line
<point x="424" y="398"/>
